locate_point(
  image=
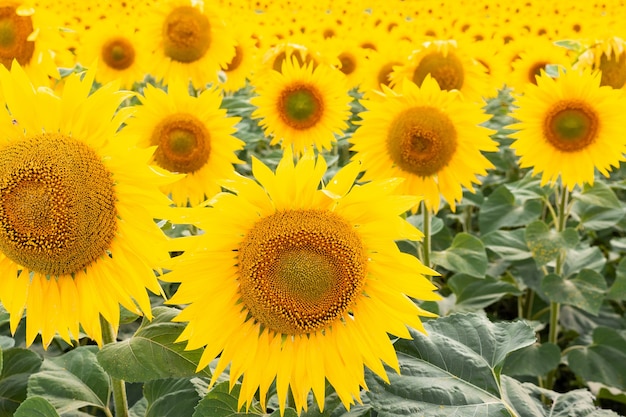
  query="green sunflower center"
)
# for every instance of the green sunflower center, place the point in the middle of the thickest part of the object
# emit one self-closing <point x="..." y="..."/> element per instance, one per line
<point x="186" y="34"/>
<point x="14" y="32"/>
<point x="300" y="106"/>
<point x="571" y="125"/>
<point x="300" y="270"/>
<point x="447" y="70"/>
<point x="422" y="140"/>
<point x="118" y="53"/>
<point x="57" y="204"/>
<point x="183" y="143"/>
<point x="613" y="70"/>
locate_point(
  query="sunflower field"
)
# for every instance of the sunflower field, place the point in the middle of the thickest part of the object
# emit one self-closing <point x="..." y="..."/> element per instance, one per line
<point x="346" y="208"/>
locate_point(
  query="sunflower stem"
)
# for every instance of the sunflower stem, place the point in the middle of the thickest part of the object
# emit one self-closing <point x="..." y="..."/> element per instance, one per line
<point x="118" y="387"/>
<point x="555" y="307"/>
<point x="426" y="241"/>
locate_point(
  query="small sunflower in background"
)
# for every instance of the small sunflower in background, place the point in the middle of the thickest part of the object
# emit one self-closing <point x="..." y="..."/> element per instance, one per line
<point x="609" y="57"/>
<point x="534" y="57"/>
<point x="117" y="49"/>
<point x="189" y="41"/>
<point x="29" y="37"/>
<point x="77" y="205"/>
<point x="307" y="282"/>
<point x="568" y="127"/>
<point x="244" y="63"/>
<point x="428" y="136"/>
<point x="192" y="136"/>
<point x="380" y="65"/>
<point x="302" y="106"/>
<point x="448" y="64"/>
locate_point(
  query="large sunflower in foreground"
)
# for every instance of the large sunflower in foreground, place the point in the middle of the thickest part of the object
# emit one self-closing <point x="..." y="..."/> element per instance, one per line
<point x="190" y="41"/>
<point x="430" y="137"/>
<point x="301" y="106"/>
<point x="568" y="127"/>
<point x="77" y="236"/>
<point x="299" y="284"/>
<point x="192" y="135"/>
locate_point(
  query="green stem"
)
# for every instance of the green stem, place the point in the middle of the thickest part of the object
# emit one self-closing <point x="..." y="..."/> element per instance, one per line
<point x="426" y="241"/>
<point x="120" y="402"/>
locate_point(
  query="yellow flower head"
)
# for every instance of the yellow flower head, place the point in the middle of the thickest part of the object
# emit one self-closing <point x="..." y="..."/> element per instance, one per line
<point x="299" y="284"/>
<point x="568" y="127"/>
<point x="77" y="205"/>
<point x="301" y="106"/>
<point x="429" y="136"/>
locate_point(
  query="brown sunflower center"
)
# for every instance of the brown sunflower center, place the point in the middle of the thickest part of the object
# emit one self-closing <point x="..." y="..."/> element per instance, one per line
<point x="14" y="32"/>
<point x="186" y="34"/>
<point x="571" y="125"/>
<point x="613" y="70"/>
<point x="384" y="73"/>
<point x="300" y="106"/>
<point x="422" y="140"/>
<point x="348" y="63"/>
<point x="447" y="70"/>
<point x="300" y="270"/>
<point x="57" y="204"/>
<point x="237" y="59"/>
<point x="118" y="53"/>
<point x="183" y="143"/>
<point x="535" y="71"/>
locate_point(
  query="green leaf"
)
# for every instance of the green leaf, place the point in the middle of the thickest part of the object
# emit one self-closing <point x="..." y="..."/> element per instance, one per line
<point x="598" y="194"/>
<point x="474" y="293"/>
<point x="170" y="397"/>
<point x="220" y="402"/>
<point x="585" y="291"/>
<point x="510" y="245"/>
<point x="586" y="258"/>
<point x="417" y="220"/>
<point x="546" y="244"/>
<point x="36" y="407"/>
<point x="19" y="365"/>
<point x="617" y="291"/>
<point x="527" y="400"/>
<point x="72" y="380"/>
<point x="604" y="360"/>
<point x="456" y="368"/>
<point x="139" y="409"/>
<point x="151" y="353"/>
<point x="534" y="360"/>
<point x="466" y="254"/>
<point x="502" y="209"/>
<point x="595" y="217"/>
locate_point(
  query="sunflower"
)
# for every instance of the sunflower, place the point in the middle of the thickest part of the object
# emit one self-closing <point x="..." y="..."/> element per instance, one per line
<point x="190" y="41"/>
<point x="116" y="47"/>
<point x="608" y="56"/>
<point x="76" y="210"/>
<point x="29" y="37"/>
<point x="430" y="137"/>
<point x="307" y="282"/>
<point x="302" y="106"/>
<point x="537" y="54"/>
<point x="192" y="136"/>
<point x="448" y="64"/>
<point x="568" y="127"/>
<point x="243" y="64"/>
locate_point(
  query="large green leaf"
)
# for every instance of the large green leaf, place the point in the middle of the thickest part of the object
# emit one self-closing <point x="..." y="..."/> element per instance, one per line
<point x="618" y="288"/>
<point x="546" y="244"/>
<point x="583" y="258"/>
<point x="594" y="217"/>
<point x="534" y="360"/>
<point x="510" y="245"/>
<point x="604" y="360"/>
<point x="220" y="402"/>
<point x="71" y="381"/>
<point x="528" y="400"/>
<point x="475" y="293"/>
<point x="586" y="291"/>
<point x="454" y="370"/>
<point x="502" y="209"/>
<point x="171" y="397"/>
<point x="598" y="194"/>
<point x="151" y="353"/>
<point x="19" y="365"/>
<point x="36" y="407"/>
<point x="466" y="254"/>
